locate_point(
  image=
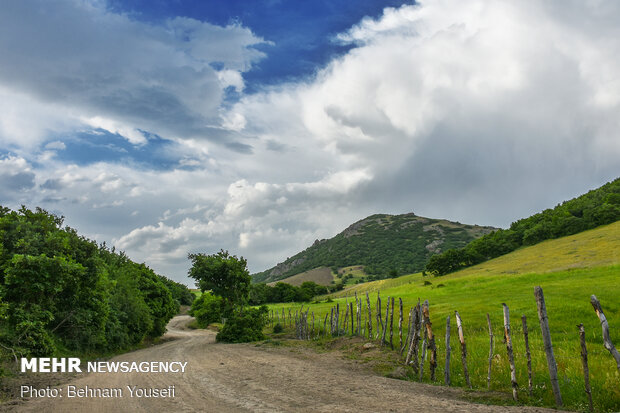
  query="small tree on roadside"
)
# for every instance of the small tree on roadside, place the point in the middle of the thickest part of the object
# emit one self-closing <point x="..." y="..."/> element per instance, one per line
<point x="224" y="275"/>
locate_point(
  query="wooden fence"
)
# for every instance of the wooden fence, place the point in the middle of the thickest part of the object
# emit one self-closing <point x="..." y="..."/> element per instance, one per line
<point x="419" y="344"/>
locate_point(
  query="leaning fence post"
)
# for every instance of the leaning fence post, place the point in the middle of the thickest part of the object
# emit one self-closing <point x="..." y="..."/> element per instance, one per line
<point x="409" y="330"/>
<point x="448" y="351"/>
<point x="459" y="324"/>
<point x="605" y="326"/>
<point x="546" y="335"/>
<point x="584" y="361"/>
<point x="528" y="355"/>
<point x="511" y="360"/>
<point x="423" y="355"/>
<point x="490" y="351"/>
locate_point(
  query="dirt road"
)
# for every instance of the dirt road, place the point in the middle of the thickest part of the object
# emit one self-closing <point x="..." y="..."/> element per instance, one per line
<point x="247" y="378"/>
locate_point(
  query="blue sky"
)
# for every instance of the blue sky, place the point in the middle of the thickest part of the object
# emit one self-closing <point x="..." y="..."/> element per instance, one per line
<point x="301" y="33"/>
<point x="169" y="127"/>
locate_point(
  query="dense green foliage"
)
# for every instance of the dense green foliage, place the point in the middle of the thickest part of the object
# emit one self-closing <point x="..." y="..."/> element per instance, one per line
<point x="207" y="309"/>
<point x="286" y="293"/>
<point x="224" y="275"/>
<point x="384" y="244"/>
<point x="595" y="208"/>
<point x="59" y="290"/>
<point x="244" y="325"/>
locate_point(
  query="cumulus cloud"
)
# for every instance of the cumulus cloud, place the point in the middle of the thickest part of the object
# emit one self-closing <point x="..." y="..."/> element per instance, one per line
<point x="80" y="62"/>
<point x="479" y="111"/>
<point x="15" y="176"/>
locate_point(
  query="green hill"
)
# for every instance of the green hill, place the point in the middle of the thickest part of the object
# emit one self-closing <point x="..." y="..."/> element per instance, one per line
<point x="382" y="243"/>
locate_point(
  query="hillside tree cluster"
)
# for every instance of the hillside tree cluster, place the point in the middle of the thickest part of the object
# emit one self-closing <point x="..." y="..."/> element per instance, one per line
<point x="597" y="207"/>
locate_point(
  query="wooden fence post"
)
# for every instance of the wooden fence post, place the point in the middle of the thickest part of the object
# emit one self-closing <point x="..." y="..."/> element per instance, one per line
<point x="387" y="316"/>
<point x="359" y="316"/>
<point x="379" y="316"/>
<point x="605" y="326"/>
<point x="338" y="319"/>
<point x="431" y="340"/>
<point x="511" y="360"/>
<point x="546" y="335"/>
<point x="423" y="355"/>
<point x="400" y="322"/>
<point x="392" y="325"/>
<point x="325" y="325"/>
<point x="584" y="362"/>
<point x="490" y="352"/>
<point x="448" y="351"/>
<point x="352" y="323"/>
<point x="459" y="324"/>
<point x="409" y="331"/>
<point x="528" y="354"/>
<point x="346" y="319"/>
<point x="369" y="316"/>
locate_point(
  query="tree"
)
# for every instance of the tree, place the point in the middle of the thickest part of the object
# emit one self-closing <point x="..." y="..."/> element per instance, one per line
<point x="225" y="275"/>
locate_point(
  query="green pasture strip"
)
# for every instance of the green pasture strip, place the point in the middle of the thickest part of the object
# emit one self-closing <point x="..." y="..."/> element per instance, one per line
<point x="567" y="295"/>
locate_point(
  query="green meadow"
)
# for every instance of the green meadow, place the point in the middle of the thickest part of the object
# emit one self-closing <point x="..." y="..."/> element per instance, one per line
<point x="569" y="270"/>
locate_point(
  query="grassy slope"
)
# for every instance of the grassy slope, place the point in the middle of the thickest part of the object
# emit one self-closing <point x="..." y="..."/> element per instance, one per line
<point x="569" y="270"/>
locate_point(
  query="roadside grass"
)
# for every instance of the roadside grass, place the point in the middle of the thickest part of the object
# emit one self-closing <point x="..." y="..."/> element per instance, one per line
<point x="511" y="279"/>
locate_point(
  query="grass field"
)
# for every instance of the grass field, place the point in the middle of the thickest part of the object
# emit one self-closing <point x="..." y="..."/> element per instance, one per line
<point x="569" y="270"/>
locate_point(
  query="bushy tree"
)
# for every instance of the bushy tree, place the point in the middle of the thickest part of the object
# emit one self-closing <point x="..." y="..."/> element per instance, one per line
<point x="223" y="274"/>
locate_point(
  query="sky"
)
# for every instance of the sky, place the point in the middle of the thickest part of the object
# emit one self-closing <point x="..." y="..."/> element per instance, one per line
<point x="172" y="127"/>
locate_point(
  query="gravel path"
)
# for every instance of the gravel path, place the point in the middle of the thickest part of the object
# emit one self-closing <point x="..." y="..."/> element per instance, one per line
<point x="247" y="378"/>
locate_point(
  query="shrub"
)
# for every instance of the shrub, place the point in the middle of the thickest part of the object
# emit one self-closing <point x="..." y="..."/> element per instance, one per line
<point x="278" y="328"/>
<point x="244" y="326"/>
<point x="207" y="309"/>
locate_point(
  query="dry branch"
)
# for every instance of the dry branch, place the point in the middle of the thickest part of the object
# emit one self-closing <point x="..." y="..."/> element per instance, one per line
<point x="605" y="326"/>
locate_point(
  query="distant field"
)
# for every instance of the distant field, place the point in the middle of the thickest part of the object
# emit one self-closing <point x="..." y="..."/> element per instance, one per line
<point x="321" y="276"/>
<point x="350" y="275"/>
<point x="568" y="269"/>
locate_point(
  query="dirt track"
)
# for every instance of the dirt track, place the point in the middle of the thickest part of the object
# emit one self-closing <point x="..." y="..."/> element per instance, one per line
<point x="244" y="377"/>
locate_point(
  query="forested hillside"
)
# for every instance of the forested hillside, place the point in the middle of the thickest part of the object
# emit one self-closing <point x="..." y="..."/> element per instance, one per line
<point x="384" y="244"/>
<point x="597" y="207"/>
<point x="60" y="292"/>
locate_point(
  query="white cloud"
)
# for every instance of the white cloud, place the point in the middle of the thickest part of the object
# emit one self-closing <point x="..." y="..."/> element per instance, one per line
<point x="480" y="111"/>
<point x="76" y="60"/>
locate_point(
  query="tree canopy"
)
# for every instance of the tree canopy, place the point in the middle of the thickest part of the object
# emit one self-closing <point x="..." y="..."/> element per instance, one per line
<point x="223" y="274"/>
